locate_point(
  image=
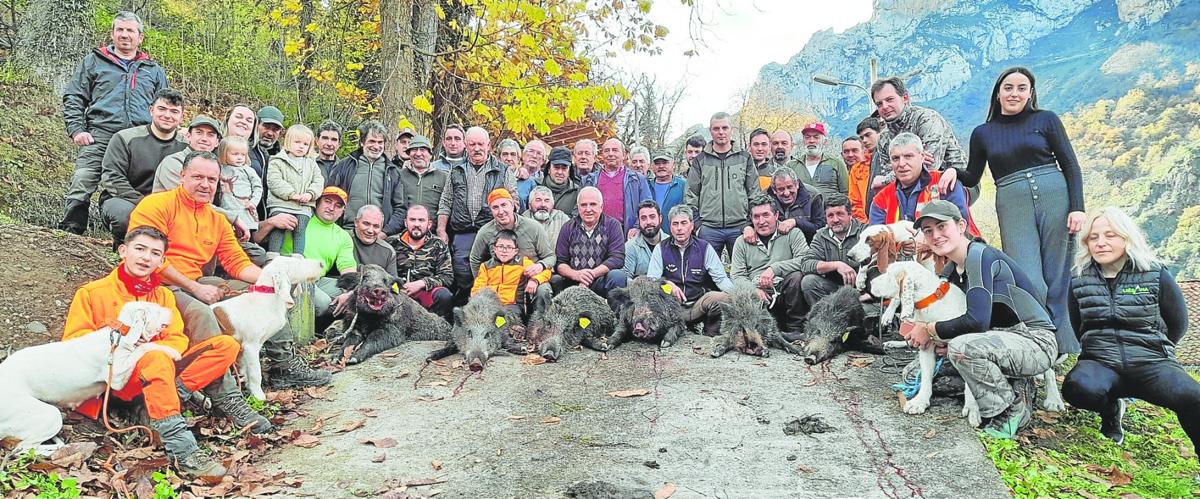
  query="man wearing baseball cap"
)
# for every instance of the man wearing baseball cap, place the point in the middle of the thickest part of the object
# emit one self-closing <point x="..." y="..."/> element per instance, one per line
<point x="330" y="244"/>
<point x="558" y="179"/>
<point x="666" y="188"/>
<point x="421" y="182"/>
<point x="1004" y="339"/>
<point x="400" y="146"/>
<point x="827" y="173"/>
<point x="203" y="134"/>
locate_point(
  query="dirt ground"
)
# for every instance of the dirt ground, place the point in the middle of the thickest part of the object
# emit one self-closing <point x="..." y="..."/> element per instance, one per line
<point x="731" y="427"/>
<point x="42" y="270"/>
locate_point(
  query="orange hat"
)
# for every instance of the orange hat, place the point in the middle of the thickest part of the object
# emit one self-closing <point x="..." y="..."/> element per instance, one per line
<point x="498" y="193"/>
<point x="336" y="192"/>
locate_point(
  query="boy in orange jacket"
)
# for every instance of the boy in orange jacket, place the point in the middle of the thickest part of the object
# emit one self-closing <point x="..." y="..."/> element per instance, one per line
<point x="158" y="379"/>
<point x="506" y="276"/>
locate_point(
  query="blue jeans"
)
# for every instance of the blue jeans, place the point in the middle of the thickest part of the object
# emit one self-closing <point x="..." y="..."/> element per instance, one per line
<point x="460" y="249"/>
<point x="1031" y="206"/>
<point x="612" y="280"/>
<point x="722" y="238"/>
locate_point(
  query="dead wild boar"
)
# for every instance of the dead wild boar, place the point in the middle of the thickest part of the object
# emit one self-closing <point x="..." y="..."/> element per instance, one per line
<point x="481" y="329"/>
<point x="747" y="326"/>
<point x="834" y="323"/>
<point x="575" y="316"/>
<point x="647" y="313"/>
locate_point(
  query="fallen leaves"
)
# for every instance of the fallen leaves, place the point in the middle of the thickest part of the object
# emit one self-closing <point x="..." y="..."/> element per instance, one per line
<point x="667" y="490"/>
<point x="382" y="443"/>
<point x="429" y="398"/>
<point x="307" y="441"/>
<point x="352" y="425"/>
<point x="859" y="361"/>
<point x="72" y="455"/>
<point x="515" y="417"/>
<point x="533" y="359"/>
<point x="640" y="392"/>
<point x="379" y="458"/>
<point x="436" y="465"/>
<point x="1111" y="474"/>
<point x="552" y="420"/>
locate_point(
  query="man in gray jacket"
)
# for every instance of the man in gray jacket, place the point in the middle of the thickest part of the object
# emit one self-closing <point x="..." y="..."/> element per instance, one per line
<point x="113" y="89"/>
<point x="722" y="182"/>
<point x="772" y="264"/>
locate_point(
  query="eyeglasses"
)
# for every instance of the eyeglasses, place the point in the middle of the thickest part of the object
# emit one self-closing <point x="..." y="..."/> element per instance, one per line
<point x="505" y="247"/>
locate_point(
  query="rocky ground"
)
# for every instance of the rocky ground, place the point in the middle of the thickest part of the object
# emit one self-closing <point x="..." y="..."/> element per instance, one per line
<point x="635" y="422"/>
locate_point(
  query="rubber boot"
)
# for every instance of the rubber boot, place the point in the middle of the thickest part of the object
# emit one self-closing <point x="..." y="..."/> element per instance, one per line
<point x="75" y="217"/>
<point x="182" y="450"/>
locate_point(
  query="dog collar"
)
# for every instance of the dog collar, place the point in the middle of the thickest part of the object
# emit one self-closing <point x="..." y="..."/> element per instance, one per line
<point x="938" y="293"/>
<point x="118" y="326"/>
<point x="260" y="289"/>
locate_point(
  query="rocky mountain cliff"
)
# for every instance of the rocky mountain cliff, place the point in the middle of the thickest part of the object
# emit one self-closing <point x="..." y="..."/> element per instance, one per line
<point x="1081" y="50"/>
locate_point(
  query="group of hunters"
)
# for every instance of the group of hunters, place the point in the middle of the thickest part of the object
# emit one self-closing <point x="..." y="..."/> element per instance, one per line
<point x="192" y="208"/>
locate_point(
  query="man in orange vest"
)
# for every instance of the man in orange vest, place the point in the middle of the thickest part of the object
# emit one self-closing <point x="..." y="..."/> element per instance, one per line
<point x="914" y="186"/>
<point x="159" y="380"/>
<point x="858" y="163"/>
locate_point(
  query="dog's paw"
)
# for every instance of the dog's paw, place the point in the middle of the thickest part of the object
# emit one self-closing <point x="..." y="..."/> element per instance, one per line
<point x="971" y="412"/>
<point x="1054" y="404"/>
<point x="917" y="405"/>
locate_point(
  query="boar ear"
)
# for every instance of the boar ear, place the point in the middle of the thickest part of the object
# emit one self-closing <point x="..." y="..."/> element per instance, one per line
<point x="349" y="281"/>
<point x="458" y="316"/>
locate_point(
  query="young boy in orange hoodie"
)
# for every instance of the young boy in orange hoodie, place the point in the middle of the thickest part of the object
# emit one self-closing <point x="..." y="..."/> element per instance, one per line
<point x="159" y="380"/>
<point x="504" y="275"/>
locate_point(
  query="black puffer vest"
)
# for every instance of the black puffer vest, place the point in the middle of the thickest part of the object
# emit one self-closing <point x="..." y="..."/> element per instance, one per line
<point x="1122" y="325"/>
<point x="461" y="221"/>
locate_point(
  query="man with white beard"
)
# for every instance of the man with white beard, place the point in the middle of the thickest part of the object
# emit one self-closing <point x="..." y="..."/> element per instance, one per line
<point x="827" y="173"/>
<point x="542" y="210"/>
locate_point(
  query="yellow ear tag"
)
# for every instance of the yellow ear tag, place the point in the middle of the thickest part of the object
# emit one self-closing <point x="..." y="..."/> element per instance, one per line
<point x="845" y="336"/>
<point x="584" y="322"/>
<point x="666" y="288"/>
<point x="500" y="322"/>
<point x="395" y="287"/>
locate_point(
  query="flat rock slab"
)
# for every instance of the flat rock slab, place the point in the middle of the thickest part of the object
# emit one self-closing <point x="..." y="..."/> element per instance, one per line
<point x="711" y="427"/>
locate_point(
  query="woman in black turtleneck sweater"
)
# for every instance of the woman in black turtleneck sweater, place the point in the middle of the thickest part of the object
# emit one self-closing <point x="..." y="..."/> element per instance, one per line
<point x="1039" y="189"/>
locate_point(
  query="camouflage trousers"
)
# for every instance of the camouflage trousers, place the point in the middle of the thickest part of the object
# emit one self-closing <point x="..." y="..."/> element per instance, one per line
<point x="989" y="360"/>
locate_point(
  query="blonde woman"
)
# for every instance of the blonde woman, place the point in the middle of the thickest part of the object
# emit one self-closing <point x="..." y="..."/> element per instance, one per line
<point x="1128" y="315"/>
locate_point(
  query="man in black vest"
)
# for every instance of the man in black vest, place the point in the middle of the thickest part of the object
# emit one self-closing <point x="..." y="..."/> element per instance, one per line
<point x="693" y="270"/>
<point x="463" y="207"/>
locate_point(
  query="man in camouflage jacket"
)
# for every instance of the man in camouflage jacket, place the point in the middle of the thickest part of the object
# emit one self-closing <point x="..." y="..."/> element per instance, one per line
<point x="423" y="263"/>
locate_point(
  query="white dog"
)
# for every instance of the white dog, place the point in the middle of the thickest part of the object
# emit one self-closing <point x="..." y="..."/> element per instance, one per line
<point x="921" y="297"/>
<point x="254" y="316"/>
<point x="882" y="241"/>
<point x="36" y="381"/>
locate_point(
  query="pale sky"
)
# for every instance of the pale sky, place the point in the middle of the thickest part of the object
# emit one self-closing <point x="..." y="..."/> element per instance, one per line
<point x="741" y="37"/>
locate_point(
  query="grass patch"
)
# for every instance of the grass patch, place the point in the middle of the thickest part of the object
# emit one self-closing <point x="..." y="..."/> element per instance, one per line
<point x="1064" y="455"/>
<point x="17" y="477"/>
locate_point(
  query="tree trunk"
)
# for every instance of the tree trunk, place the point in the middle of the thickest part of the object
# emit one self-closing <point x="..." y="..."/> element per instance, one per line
<point x="54" y="36"/>
<point x="303" y="81"/>
<point x="397" y="60"/>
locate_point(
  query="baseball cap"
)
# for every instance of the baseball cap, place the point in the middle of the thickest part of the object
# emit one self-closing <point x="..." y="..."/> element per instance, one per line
<point x="270" y="114"/>
<point x="940" y="210"/>
<point x="418" y="141"/>
<point x="815" y="127"/>
<point x="207" y="120"/>
<point x="664" y="155"/>
<point x="406" y="131"/>
<point x="336" y="192"/>
<point x="560" y="156"/>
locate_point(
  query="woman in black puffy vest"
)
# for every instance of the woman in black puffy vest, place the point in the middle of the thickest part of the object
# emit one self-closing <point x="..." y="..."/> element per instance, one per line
<point x="1128" y="314"/>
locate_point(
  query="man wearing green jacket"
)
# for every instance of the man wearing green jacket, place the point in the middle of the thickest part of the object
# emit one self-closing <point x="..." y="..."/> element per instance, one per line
<point x="826" y="264"/>
<point x="827" y="173"/>
<point x="722" y="183"/>
<point x="772" y="264"/>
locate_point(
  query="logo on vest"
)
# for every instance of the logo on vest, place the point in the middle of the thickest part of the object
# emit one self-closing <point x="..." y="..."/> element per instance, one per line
<point x="1133" y="290"/>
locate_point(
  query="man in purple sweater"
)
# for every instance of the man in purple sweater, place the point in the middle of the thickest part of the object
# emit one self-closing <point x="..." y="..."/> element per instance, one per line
<point x="591" y="248"/>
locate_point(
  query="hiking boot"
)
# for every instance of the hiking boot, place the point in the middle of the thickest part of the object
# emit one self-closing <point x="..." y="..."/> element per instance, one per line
<point x="1110" y="424"/>
<point x="1006" y="424"/>
<point x="186" y="396"/>
<point x="182" y="450"/>
<point x="293" y="372"/>
<point x="233" y="406"/>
